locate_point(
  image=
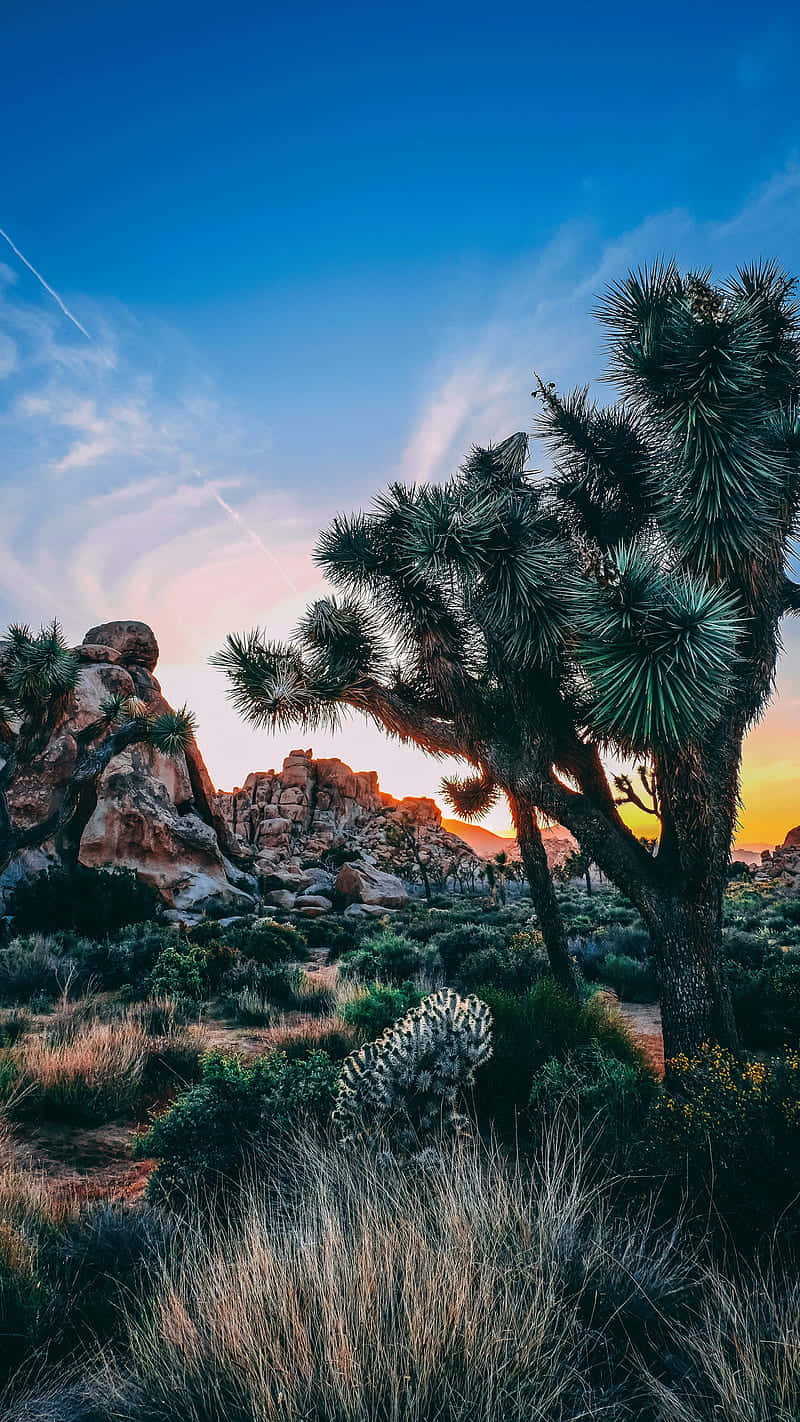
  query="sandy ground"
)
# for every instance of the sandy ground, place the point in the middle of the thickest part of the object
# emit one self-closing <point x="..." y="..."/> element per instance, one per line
<point x="645" y="1020"/>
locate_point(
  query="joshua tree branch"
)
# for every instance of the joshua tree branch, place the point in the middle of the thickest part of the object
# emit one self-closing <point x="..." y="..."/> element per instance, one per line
<point x="628" y="795"/>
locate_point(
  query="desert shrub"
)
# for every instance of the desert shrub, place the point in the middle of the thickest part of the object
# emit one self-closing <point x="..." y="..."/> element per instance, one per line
<point x="390" y="957"/>
<point x="731" y="1130"/>
<point x="630" y="941"/>
<point x="279" y="987"/>
<point x="13" y="1025"/>
<point x="94" y="1268"/>
<point x="476" y="1291"/>
<point x="609" y="1096"/>
<point x="92" y="902"/>
<point x="337" y="936"/>
<point x="266" y="941"/>
<point x="252" y="1009"/>
<point x="89" y="1077"/>
<point x="746" y="948"/>
<point x="125" y="958"/>
<point x="34" y="967"/>
<point x="631" y="979"/>
<point x="297" y="1039"/>
<point x="766" y="1000"/>
<point x="378" y="1007"/>
<point x="786" y="986"/>
<point x="513" y="966"/>
<point x="236" y="1109"/>
<point x="455" y="944"/>
<point x="180" y="972"/>
<point x="406" y="1090"/>
<point x="530" y="1029"/>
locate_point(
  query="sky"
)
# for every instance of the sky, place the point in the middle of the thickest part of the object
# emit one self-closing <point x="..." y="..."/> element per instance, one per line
<point x="305" y="249"/>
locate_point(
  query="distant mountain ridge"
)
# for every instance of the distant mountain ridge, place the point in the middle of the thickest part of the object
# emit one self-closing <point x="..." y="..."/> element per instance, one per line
<point x="558" y="843"/>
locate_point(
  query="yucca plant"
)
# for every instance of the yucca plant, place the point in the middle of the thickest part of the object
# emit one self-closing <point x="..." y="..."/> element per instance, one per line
<point x="38" y="674"/>
<point x="629" y="602"/>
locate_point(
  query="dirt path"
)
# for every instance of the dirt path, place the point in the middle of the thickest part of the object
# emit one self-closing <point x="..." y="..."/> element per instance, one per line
<point x="645" y="1020"/>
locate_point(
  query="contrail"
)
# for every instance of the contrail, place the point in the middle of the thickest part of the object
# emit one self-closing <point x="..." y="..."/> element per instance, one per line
<point x="47" y="287"/>
<point x="251" y="533"/>
<point x="231" y="512"/>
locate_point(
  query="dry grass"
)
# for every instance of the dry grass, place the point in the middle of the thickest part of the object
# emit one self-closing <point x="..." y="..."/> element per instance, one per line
<point x="344" y="1291"/>
<point x="347" y="1292"/>
<point x="84" y="1066"/>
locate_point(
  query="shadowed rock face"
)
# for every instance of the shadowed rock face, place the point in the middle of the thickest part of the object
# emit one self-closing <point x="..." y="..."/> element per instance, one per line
<point x="782" y="864"/>
<point x="154" y="814"/>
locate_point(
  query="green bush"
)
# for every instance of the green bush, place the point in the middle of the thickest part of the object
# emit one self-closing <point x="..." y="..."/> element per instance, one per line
<point x="391" y="957"/>
<point x="266" y="941"/>
<point x="531" y="1029"/>
<point x="379" y="1008"/>
<point x="256" y="992"/>
<point x="730" y="1131"/>
<point x="335" y="935"/>
<point x="456" y="944"/>
<point x="92" y="902"/>
<point x="126" y="958"/>
<point x="34" y="967"/>
<point x="513" y="966"/>
<point x="631" y="979"/>
<point x="237" y="1108"/>
<point x="610" y="1096"/>
<point x="180" y="972"/>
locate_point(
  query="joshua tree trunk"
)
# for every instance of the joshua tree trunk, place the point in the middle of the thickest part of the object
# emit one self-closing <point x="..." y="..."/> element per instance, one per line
<point x="537" y="872"/>
<point x="695" y="1003"/>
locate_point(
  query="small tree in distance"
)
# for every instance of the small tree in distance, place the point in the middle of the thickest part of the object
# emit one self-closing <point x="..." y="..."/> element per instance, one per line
<point x="629" y="603"/>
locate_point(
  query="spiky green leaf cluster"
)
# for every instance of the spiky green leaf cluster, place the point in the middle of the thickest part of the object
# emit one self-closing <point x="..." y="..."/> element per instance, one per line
<point x="471" y="796"/>
<point x="713" y="370"/>
<point x="659" y="648"/>
<point x="37" y="671"/>
<point x="171" y="732"/>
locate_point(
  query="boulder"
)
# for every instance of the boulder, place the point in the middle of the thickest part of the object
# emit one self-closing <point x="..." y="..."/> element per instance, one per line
<point x="280" y="898"/>
<point x="367" y="911"/>
<point x="314" y="901"/>
<point x="362" y="883"/>
<point x="134" y="642"/>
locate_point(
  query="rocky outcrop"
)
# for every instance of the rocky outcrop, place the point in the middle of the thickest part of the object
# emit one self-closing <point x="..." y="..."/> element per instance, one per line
<point x="155" y="815"/>
<point x="783" y="863"/>
<point x="296" y="818"/>
<point x="366" y="884"/>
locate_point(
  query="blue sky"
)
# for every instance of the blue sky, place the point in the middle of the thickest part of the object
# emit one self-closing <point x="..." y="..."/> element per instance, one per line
<point x="319" y="246"/>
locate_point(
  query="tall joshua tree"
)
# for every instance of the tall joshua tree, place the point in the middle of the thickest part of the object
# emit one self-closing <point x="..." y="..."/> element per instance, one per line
<point x="38" y="673"/>
<point x="630" y="602"/>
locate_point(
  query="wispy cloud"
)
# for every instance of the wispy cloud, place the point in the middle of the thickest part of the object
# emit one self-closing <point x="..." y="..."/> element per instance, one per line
<point x="540" y="319"/>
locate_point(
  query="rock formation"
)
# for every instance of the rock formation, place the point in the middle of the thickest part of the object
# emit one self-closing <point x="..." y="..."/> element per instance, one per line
<point x="783" y="863"/>
<point x="149" y="813"/>
<point x="296" y="818"/>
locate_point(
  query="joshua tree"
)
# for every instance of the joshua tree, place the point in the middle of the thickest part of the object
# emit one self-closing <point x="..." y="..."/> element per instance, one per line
<point x="631" y="601"/>
<point x="38" y="673"/>
<point x="498" y="870"/>
<point x="576" y="865"/>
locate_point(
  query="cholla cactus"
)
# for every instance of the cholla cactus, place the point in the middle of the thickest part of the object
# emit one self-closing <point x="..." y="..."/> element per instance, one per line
<point x="407" y="1086"/>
